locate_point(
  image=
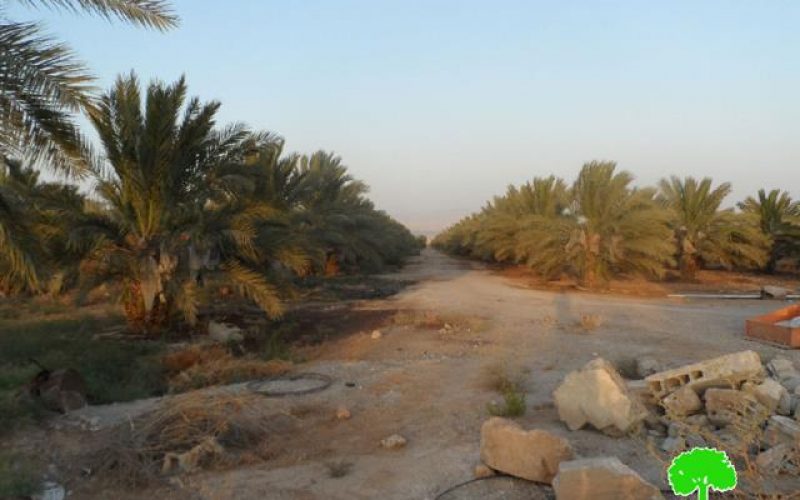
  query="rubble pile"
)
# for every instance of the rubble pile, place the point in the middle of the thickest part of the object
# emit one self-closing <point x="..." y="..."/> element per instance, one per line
<point x="732" y="402"/>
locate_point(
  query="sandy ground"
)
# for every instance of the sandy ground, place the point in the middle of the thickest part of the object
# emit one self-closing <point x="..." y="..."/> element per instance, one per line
<point x="429" y="386"/>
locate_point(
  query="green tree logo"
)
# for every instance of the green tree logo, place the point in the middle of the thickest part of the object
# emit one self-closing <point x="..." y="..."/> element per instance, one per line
<point x="701" y="469"/>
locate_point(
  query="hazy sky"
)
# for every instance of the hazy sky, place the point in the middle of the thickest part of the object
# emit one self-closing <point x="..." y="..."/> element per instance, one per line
<point x="438" y="105"/>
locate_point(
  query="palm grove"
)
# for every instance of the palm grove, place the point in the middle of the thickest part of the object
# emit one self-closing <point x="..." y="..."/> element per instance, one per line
<point x="180" y="207"/>
<point x="602" y="226"/>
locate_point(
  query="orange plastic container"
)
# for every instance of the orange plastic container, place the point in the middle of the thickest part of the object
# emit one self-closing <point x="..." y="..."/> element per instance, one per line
<point x="764" y="327"/>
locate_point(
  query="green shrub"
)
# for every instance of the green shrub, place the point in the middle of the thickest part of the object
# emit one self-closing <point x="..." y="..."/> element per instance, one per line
<point x="513" y="404"/>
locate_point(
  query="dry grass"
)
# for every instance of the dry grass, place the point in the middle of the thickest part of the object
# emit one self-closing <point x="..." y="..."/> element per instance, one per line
<point x="187" y="433"/>
<point x="501" y="377"/>
<point x="432" y="320"/>
<point x="197" y="367"/>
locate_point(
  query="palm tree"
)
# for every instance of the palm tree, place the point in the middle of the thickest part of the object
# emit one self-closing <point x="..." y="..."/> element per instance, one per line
<point x="706" y="234"/>
<point x="42" y="83"/>
<point x="778" y="216"/>
<point x="598" y="228"/>
<point x="608" y="229"/>
<point x="347" y="231"/>
<point x="34" y="221"/>
<point x="170" y="219"/>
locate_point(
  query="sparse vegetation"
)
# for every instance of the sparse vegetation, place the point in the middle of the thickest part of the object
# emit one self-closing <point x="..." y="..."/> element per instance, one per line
<point x="114" y="371"/>
<point x="510" y="384"/>
<point x="18" y="477"/>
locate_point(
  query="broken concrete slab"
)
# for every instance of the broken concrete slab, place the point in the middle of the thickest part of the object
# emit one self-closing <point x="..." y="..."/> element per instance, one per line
<point x="597" y="395"/>
<point x="782" y="430"/>
<point x="769" y="393"/>
<point x="727" y="406"/>
<point x="601" y="478"/>
<point x="683" y="402"/>
<point x="772" y="460"/>
<point x="533" y="455"/>
<point x="782" y="368"/>
<point x="729" y="370"/>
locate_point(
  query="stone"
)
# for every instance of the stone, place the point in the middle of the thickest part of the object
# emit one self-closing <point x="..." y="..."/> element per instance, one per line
<point x="342" y="413"/>
<point x="771" y="461"/>
<point x="597" y="395"/>
<point x="60" y="390"/>
<point x="786" y="405"/>
<point x="673" y="445"/>
<point x="726" y="406"/>
<point x="782" y="430"/>
<point x="774" y="292"/>
<point x="646" y="366"/>
<point x="533" y="455"/>
<point x="724" y="371"/>
<point x="482" y="471"/>
<point x="782" y="368"/>
<point x="791" y="383"/>
<point x="224" y="332"/>
<point x="641" y="392"/>
<point x="769" y="393"/>
<point x="601" y="478"/>
<point x="394" y="442"/>
<point x="683" y="402"/>
<point x="654" y="423"/>
<point x="376" y="334"/>
<point x="698" y="421"/>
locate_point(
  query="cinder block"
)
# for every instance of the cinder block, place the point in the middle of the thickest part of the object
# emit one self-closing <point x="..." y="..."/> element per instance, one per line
<point x="729" y="370"/>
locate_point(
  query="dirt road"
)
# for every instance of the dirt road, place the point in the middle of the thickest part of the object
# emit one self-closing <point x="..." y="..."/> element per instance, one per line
<point x="430" y="385"/>
<point x="425" y="378"/>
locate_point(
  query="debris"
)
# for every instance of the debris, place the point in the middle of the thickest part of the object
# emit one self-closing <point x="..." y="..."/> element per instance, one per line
<point x="597" y="395"/>
<point x="771" y="461"/>
<point x="646" y="366"/>
<point x="482" y="471"/>
<point x="533" y="455"/>
<point x="782" y="430"/>
<point x="224" y="332"/>
<point x="139" y="451"/>
<point x="393" y="442"/>
<point x="342" y="413"/>
<point x="723" y="371"/>
<point x="699" y="421"/>
<point x="769" y="393"/>
<point x="673" y="445"/>
<point x="682" y="402"/>
<point x="727" y="406"/>
<point x="60" y="390"/>
<point x="376" y="334"/>
<point x="601" y="478"/>
<point x="782" y="368"/>
<point x="775" y="292"/>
